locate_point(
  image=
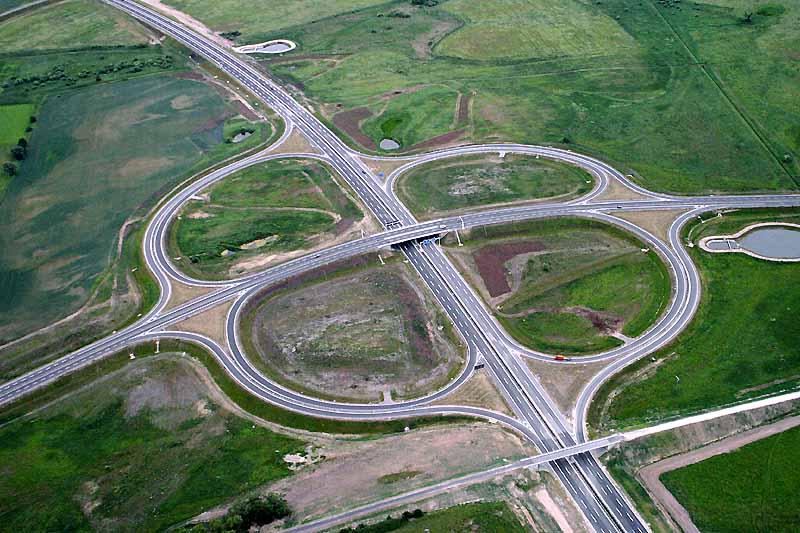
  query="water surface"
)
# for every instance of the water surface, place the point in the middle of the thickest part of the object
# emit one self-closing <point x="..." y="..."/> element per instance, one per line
<point x="775" y="242"/>
<point x="389" y="144"/>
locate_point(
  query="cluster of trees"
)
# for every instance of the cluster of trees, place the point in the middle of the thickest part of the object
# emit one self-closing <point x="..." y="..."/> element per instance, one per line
<point x="59" y="72"/>
<point x="390" y="523"/>
<point x="18" y="153"/>
<point x="241" y="517"/>
<point x="425" y="3"/>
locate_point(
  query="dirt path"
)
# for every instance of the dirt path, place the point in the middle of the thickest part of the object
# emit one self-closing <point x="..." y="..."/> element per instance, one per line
<point x="650" y="475"/>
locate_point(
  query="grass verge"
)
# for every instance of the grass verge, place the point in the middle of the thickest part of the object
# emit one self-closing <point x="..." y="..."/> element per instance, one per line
<point x="242" y="398"/>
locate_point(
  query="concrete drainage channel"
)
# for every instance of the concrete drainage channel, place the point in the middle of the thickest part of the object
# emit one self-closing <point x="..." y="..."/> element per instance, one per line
<point x="772" y="241"/>
<point x="275" y="46"/>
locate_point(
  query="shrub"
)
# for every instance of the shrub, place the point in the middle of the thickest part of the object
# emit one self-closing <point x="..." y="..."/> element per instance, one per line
<point x="10" y="169"/>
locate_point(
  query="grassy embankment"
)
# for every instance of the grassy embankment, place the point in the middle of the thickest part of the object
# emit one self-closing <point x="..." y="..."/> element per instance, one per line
<point x="475" y="181"/>
<point x="566" y="285"/>
<point x="272" y="208"/>
<point x="754" y="488"/>
<point x="74" y="381"/>
<point x="483" y="516"/>
<point x="664" y="89"/>
<point x="392" y="340"/>
<point x="114" y="454"/>
<point x="99" y="153"/>
<point x="742" y="343"/>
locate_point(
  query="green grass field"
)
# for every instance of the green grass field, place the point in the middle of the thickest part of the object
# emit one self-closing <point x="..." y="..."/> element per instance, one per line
<point x="264" y="15"/>
<point x="116" y="455"/>
<point x="519" y="29"/>
<point x="483" y="516"/>
<point x="413" y="117"/>
<point x="754" y="488"/>
<point x="475" y="181"/>
<point x="567" y="285"/>
<point x="71" y="24"/>
<point x="742" y="342"/>
<point x="274" y="207"/>
<point x="94" y="158"/>
<point x="31" y="76"/>
<point x="665" y="90"/>
<point x="15" y="119"/>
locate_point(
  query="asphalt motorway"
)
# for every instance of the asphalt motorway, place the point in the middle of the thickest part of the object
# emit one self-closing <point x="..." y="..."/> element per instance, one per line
<point x="601" y="501"/>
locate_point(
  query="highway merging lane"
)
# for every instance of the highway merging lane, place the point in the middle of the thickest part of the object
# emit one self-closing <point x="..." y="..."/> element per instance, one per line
<point x="600" y="500"/>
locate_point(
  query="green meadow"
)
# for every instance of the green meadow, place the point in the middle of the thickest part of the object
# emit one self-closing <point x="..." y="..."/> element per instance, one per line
<point x="687" y="96"/>
<point x="742" y="342"/>
<point x="754" y="488"/>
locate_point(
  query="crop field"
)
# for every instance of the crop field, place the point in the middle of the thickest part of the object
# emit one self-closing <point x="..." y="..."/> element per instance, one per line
<point x="565" y="286"/>
<point x="113" y="456"/>
<point x="95" y="156"/>
<point x="742" y="342"/>
<point x="754" y="488"/>
<point x="363" y="333"/>
<point x="666" y="89"/>
<point x="262" y="212"/>
<point x="475" y="181"/>
<point x="71" y="24"/>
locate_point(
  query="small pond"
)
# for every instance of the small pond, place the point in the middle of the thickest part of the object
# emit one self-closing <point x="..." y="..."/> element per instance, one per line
<point x="275" y="48"/>
<point x="775" y="242"/>
<point x="389" y="144"/>
<point x="242" y="135"/>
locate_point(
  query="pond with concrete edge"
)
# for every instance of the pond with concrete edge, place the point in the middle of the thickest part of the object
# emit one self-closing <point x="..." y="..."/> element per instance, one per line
<point x="773" y="241"/>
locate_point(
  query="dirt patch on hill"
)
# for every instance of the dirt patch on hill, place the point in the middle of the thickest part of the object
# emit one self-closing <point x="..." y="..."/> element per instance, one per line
<point x="604" y="322"/>
<point x="617" y="191"/>
<point x="656" y="222"/>
<point x="478" y="391"/>
<point x="357" y="337"/>
<point x="423" y="44"/>
<point x="210" y="323"/>
<point x="436" y="454"/>
<point x="350" y="122"/>
<point x="438" y="141"/>
<point x="462" y="113"/>
<point x="183" y="293"/>
<point x="491" y="260"/>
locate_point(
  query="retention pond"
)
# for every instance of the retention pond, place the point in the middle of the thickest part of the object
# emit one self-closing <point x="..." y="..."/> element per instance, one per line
<point x="773" y="240"/>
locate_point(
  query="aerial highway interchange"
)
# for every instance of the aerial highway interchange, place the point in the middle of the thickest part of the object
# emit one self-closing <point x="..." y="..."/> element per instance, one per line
<point x="565" y="447"/>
